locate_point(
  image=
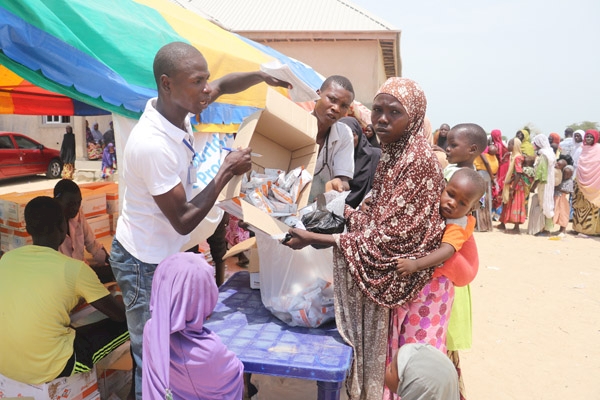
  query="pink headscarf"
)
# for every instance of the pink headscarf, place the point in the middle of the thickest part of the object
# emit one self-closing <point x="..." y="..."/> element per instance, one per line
<point x="588" y="170"/>
<point x="497" y="139"/>
<point x="181" y="356"/>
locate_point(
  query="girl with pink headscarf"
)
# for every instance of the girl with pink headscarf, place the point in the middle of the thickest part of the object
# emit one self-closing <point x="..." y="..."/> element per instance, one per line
<point x="183" y="359"/>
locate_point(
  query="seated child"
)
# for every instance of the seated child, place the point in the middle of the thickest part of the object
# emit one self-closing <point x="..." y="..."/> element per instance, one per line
<point x="459" y="198"/>
<point x="79" y="233"/>
<point x="420" y="371"/>
<point x="182" y="358"/>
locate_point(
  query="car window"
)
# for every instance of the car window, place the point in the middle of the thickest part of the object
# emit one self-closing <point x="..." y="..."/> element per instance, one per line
<point x="6" y="143"/>
<point x="24" y="143"/>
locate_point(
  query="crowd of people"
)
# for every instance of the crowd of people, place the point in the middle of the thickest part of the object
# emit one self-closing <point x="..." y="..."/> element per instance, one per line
<point x="541" y="180"/>
<point x="402" y="268"/>
<point x="99" y="146"/>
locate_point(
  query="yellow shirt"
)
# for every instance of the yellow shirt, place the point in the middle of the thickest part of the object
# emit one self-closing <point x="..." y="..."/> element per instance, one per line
<point x="38" y="289"/>
<point x="492" y="160"/>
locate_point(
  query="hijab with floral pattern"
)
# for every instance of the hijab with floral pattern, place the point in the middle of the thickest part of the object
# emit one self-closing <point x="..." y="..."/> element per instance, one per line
<point x="403" y="219"/>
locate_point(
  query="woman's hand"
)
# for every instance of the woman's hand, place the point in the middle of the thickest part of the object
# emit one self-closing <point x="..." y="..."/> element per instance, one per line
<point x="300" y="238"/>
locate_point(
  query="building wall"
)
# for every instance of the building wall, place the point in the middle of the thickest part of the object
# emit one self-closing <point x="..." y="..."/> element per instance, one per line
<point x="51" y="135"/>
<point x="363" y="63"/>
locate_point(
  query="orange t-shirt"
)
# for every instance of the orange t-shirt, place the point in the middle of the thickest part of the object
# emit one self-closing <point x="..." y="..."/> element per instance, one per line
<point x="457" y="232"/>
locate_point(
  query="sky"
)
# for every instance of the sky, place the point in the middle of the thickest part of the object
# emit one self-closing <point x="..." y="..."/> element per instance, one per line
<point x="501" y="64"/>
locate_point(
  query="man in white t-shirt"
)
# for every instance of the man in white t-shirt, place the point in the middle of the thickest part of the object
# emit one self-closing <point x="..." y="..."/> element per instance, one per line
<point x="158" y="171"/>
<point x="335" y="162"/>
<point x="568" y="144"/>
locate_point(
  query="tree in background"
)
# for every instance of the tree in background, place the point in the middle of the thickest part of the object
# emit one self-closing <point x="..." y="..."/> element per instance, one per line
<point x="585" y="125"/>
<point x="533" y="130"/>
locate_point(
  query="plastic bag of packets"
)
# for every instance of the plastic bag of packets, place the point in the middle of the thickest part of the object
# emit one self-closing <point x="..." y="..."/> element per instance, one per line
<point x="296" y="285"/>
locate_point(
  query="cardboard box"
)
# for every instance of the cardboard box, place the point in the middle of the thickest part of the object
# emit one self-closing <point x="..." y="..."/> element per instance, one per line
<point x="249" y="246"/>
<point x="5" y="233"/>
<point x="3" y="208"/>
<point x="100" y="225"/>
<point x="112" y="381"/>
<point x="285" y="134"/>
<point x="95" y="185"/>
<point x="76" y="387"/>
<point x="13" y="206"/>
<point x="112" y="203"/>
<point x="12" y="238"/>
<point x="93" y="203"/>
<point x="115" y="371"/>
<point x="111" y="189"/>
<point x="20" y="238"/>
<point x="113" y="219"/>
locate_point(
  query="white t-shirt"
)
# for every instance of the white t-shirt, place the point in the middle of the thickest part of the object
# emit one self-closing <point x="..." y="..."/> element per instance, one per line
<point x="155" y="160"/>
<point x="336" y="158"/>
<point x="567" y="146"/>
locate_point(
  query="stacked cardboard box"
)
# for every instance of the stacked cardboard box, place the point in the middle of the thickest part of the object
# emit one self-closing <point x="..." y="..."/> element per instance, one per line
<point x="12" y="218"/>
<point x="111" y="193"/>
<point x="97" y="200"/>
<point x="75" y="387"/>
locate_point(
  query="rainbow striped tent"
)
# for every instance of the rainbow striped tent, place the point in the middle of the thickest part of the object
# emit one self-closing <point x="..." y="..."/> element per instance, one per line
<point x="17" y="96"/>
<point x="100" y="53"/>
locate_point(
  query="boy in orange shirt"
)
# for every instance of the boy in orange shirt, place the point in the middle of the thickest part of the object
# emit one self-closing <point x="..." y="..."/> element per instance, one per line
<point x="460" y="197"/>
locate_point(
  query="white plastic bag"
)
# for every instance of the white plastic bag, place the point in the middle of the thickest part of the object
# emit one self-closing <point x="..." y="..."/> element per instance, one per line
<point x="296" y="285"/>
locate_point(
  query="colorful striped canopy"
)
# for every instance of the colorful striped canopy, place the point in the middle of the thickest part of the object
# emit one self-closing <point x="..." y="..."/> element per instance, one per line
<point x="100" y="53"/>
<point x="17" y="96"/>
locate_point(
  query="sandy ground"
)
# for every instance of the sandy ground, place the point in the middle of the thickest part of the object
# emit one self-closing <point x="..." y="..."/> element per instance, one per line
<point x="535" y="315"/>
<point x="536" y="308"/>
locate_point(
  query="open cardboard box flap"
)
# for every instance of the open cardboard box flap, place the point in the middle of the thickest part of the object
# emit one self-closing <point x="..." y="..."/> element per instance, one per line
<point x="248" y="244"/>
<point x="240" y="247"/>
<point x="285" y="135"/>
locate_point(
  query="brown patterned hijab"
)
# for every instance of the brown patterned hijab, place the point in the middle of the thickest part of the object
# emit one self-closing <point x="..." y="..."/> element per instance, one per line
<point x="404" y="219"/>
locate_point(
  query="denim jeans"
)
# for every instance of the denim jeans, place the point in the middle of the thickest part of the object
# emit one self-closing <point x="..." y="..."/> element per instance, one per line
<point x="135" y="280"/>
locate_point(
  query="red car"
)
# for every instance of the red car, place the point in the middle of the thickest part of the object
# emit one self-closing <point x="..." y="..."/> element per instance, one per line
<point x="21" y="156"/>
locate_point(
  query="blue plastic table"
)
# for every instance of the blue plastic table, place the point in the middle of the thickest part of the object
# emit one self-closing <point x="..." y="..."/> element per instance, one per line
<point x="268" y="346"/>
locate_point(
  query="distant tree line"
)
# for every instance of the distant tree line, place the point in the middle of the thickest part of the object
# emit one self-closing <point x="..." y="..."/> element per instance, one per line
<point x="584" y="125"/>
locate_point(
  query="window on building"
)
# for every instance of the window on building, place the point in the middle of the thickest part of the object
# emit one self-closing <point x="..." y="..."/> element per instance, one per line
<point x="56" y="119"/>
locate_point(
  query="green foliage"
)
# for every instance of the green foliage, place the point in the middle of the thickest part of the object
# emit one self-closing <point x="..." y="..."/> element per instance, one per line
<point x="585" y="125"/>
<point x="533" y="130"/>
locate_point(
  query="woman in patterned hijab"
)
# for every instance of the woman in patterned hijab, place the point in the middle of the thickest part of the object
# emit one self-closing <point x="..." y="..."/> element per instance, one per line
<point x="403" y="221"/>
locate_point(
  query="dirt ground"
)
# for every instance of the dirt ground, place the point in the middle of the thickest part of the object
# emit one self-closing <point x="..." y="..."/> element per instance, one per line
<point x="535" y="319"/>
<point x="536" y="308"/>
